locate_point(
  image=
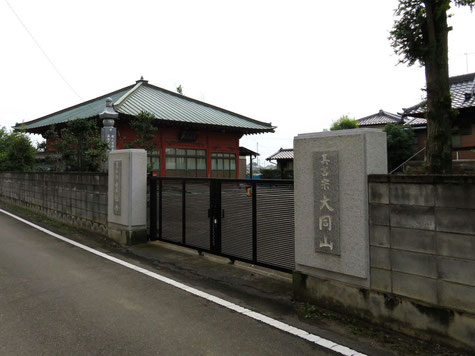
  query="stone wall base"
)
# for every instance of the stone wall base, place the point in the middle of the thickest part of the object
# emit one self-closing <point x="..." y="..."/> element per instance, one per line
<point x="127" y="237"/>
<point x="394" y="312"/>
<point x="65" y="218"/>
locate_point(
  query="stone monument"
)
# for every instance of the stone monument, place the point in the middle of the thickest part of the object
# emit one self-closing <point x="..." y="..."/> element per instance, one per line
<point x="331" y="202"/>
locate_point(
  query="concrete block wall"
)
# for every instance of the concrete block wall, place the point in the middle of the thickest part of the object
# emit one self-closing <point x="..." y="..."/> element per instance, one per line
<point x="422" y="239"/>
<point x="77" y="199"/>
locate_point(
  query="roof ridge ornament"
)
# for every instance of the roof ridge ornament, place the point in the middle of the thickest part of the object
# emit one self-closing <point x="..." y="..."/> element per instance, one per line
<point x="141" y="80"/>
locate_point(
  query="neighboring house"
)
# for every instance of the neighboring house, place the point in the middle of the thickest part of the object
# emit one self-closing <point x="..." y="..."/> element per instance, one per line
<point x="382" y="118"/>
<point x="243" y="153"/>
<point x="379" y="120"/>
<point x="285" y="156"/>
<point x="194" y="139"/>
<point x="462" y="90"/>
<point x="285" y="162"/>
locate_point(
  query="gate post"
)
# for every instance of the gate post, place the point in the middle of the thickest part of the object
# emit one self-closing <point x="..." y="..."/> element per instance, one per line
<point x="127" y="196"/>
<point x="331" y="209"/>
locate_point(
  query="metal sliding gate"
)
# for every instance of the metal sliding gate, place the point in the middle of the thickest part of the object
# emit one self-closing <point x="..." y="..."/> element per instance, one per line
<point x="247" y="220"/>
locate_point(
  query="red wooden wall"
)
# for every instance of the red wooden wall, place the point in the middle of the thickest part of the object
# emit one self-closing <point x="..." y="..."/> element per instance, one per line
<point x="166" y="137"/>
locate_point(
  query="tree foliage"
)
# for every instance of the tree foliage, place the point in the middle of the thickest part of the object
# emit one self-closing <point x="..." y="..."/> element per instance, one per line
<point x="400" y="141"/>
<point x="16" y="151"/>
<point x="419" y="23"/>
<point x="270" y="173"/>
<point x="145" y="131"/>
<point x="420" y="35"/>
<point x="79" y="145"/>
<point x="344" y="123"/>
<point x="179" y="89"/>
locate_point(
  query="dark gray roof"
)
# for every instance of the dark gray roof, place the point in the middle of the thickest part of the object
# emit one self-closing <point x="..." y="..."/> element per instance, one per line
<point x="243" y="151"/>
<point x="462" y="90"/>
<point x="380" y="118"/>
<point x="282" y="153"/>
<point x="415" y="121"/>
<point x="165" y="105"/>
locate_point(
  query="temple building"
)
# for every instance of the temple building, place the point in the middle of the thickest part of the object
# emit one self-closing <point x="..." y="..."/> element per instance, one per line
<point x="193" y="138"/>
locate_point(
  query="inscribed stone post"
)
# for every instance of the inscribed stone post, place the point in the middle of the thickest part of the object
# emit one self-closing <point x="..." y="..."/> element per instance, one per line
<point x="331" y="201"/>
<point x="127" y="196"/>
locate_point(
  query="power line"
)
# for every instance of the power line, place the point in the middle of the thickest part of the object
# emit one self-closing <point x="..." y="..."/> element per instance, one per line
<point x="42" y="51"/>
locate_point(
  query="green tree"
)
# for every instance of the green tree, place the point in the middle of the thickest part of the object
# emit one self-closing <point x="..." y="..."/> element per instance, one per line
<point x="16" y="151"/>
<point x="179" y="89"/>
<point x="400" y="141"/>
<point x="145" y="131"/>
<point x="344" y="123"/>
<point x="79" y="145"/>
<point x="420" y="34"/>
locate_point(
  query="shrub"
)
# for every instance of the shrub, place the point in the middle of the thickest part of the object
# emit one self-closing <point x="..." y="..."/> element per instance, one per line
<point x="344" y="123"/>
<point x="400" y="141"/>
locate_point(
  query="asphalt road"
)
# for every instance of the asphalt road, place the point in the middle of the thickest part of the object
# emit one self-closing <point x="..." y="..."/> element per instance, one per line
<point x="59" y="299"/>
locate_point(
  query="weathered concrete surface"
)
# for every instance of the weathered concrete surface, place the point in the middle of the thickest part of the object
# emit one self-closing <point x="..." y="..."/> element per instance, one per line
<point x="413" y="240"/>
<point x="393" y="310"/>
<point x="430" y="254"/>
<point x="431" y="251"/>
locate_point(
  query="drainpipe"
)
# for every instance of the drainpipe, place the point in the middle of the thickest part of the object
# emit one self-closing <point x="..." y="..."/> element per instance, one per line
<point x="250" y="167"/>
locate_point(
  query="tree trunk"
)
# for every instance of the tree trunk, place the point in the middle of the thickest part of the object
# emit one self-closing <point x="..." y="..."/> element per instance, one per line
<point x="439" y="106"/>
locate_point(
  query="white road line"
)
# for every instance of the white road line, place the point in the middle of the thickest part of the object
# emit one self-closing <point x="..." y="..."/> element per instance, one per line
<point x="251" y="314"/>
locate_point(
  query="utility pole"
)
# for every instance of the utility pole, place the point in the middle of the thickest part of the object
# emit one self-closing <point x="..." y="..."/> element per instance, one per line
<point x="466" y="59"/>
<point x="257" y="150"/>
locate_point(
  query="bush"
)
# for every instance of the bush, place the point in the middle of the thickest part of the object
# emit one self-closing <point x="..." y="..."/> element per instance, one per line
<point x="400" y="144"/>
<point x="344" y="123"/>
<point x="16" y="151"/>
<point x="270" y="173"/>
<point x="79" y="145"/>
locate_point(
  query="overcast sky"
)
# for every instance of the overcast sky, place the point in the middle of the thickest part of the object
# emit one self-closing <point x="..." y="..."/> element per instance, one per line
<point x="297" y="64"/>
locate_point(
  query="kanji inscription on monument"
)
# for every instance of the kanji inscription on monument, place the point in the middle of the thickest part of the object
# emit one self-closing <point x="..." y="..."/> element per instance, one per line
<point x="326" y="202"/>
<point x="109" y="134"/>
<point x="117" y="187"/>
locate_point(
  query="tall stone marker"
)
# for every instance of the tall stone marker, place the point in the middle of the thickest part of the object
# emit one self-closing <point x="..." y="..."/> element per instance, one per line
<point x="331" y="202"/>
<point x="109" y="132"/>
<point x="127" y="196"/>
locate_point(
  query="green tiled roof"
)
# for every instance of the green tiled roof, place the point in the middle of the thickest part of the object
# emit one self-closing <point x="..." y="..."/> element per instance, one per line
<point x="165" y="105"/>
<point x="84" y="110"/>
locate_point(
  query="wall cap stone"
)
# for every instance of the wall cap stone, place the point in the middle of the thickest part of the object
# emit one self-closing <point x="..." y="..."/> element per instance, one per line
<point x="422" y="178"/>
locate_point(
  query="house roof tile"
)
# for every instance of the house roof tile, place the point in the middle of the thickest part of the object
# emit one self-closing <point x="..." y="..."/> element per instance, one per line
<point x="462" y="91"/>
<point x="282" y="153"/>
<point x="83" y="110"/>
<point x="380" y="118"/>
<point x="415" y="121"/>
